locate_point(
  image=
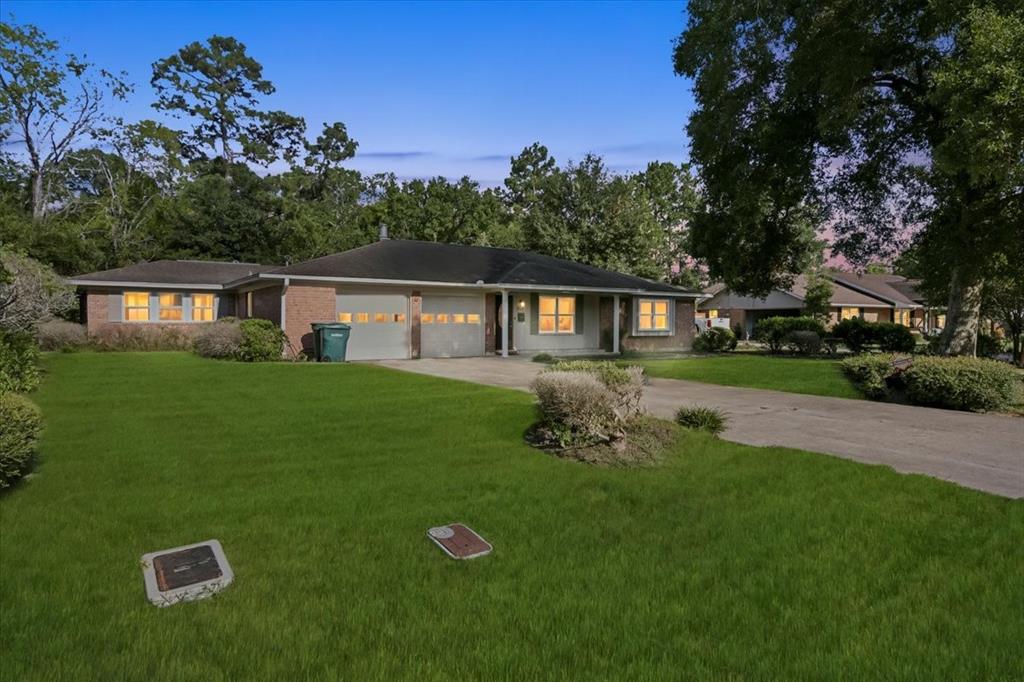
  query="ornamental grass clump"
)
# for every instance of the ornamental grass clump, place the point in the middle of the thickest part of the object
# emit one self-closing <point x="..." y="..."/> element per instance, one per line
<point x="221" y="340"/>
<point x="702" y="418"/>
<point x="61" y="335"/>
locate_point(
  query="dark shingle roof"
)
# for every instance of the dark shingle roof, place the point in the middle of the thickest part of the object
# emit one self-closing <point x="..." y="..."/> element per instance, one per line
<point x="176" y="272"/>
<point x="890" y="288"/>
<point x="401" y="259"/>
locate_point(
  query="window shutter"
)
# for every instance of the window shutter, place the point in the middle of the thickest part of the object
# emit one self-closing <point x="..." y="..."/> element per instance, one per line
<point x="534" y="307"/>
<point x="115" y="307"/>
<point x="578" y="325"/>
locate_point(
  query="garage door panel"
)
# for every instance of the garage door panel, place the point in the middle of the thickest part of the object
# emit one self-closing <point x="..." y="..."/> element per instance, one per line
<point x="452" y="326"/>
<point x="380" y="325"/>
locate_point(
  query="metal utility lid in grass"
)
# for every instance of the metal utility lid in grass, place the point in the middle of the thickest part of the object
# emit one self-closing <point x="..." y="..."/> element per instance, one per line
<point x="459" y="541"/>
<point x="185" y="573"/>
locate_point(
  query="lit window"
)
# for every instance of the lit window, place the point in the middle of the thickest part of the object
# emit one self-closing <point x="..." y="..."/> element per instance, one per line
<point x="426" y="318"/>
<point x="472" y="318"/>
<point x="398" y="317"/>
<point x="202" y="307"/>
<point x="903" y="317"/>
<point x="345" y="317"/>
<point x="940" y="320"/>
<point x="136" y="306"/>
<point x="712" y="314"/>
<point x="653" y="315"/>
<point x="458" y="318"/>
<point x="362" y="317"/>
<point x="849" y="313"/>
<point x="442" y="318"/>
<point x="556" y="314"/>
<point x="380" y="317"/>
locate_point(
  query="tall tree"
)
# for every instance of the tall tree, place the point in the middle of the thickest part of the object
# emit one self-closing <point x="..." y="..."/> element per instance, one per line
<point x="49" y="103"/>
<point x="218" y="87"/>
<point x="878" y="119"/>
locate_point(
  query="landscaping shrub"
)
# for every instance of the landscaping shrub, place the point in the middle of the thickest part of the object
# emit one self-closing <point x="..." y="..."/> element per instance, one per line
<point x="892" y="337"/>
<point x="221" y="340"/>
<point x="869" y="373"/>
<point x="20" y="423"/>
<point x="715" y="340"/>
<point x="973" y="384"/>
<point x="989" y="346"/>
<point x="262" y="341"/>
<point x="19" y="362"/>
<point x="804" y="342"/>
<point x="831" y="344"/>
<point x="61" y="335"/>
<point x="576" y="408"/>
<point x="774" y="331"/>
<point x="130" y="337"/>
<point x="855" y="333"/>
<point x="702" y="418"/>
<point x="625" y="383"/>
<point x="543" y="357"/>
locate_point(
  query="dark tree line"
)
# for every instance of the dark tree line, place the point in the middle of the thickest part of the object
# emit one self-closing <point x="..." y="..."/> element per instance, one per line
<point x="82" y="190"/>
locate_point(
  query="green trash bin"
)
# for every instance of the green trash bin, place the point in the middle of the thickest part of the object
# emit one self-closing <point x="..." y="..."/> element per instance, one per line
<point x="330" y="339"/>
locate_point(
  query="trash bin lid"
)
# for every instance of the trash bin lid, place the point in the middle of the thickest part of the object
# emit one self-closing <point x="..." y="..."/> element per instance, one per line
<point x="330" y="325"/>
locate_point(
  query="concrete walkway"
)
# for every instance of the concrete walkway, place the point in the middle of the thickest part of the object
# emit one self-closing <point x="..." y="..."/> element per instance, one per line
<point x="980" y="451"/>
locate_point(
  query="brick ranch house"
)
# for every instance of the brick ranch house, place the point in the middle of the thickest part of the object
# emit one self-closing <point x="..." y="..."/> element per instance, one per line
<point x="408" y="299"/>
<point x="872" y="297"/>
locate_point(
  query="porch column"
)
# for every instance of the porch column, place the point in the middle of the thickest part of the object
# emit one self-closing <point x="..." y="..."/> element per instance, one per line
<point x="615" y="323"/>
<point x="504" y="323"/>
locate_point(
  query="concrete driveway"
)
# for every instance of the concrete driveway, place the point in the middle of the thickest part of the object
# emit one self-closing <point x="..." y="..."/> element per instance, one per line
<point x="980" y="451"/>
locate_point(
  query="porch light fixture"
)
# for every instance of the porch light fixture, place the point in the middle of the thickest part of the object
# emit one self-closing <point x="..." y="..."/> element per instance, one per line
<point x="521" y="304"/>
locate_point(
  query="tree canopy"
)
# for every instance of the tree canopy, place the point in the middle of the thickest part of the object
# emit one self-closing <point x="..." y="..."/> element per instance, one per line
<point x="890" y="124"/>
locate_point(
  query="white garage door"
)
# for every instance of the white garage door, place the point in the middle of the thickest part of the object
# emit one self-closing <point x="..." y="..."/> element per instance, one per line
<point x="380" y="325"/>
<point x="452" y="326"/>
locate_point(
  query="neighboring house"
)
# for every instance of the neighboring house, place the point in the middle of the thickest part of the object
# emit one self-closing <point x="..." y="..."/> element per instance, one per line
<point x="875" y="298"/>
<point x="409" y="299"/>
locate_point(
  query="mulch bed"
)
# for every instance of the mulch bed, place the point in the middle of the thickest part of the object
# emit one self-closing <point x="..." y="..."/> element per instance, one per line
<point x="646" y="443"/>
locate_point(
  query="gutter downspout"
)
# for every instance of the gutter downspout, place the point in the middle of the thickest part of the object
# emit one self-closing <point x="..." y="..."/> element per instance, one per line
<point x="284" y="310"/>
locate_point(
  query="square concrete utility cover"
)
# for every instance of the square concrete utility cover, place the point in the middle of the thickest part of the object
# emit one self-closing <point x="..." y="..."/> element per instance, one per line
<point x="185" y="573"/>
<point x="459" y="541"/>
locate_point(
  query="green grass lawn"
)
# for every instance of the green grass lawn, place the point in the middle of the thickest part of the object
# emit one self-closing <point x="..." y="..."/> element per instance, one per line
<point x="320" y="480"/>
<point x="777" y="373"/>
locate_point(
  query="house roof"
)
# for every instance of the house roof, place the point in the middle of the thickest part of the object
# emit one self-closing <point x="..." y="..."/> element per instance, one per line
<point x="211" y="274"/>
<point x="844" y="293"/>
<point x="418" y="261"/>
<point x="892" y="289"/>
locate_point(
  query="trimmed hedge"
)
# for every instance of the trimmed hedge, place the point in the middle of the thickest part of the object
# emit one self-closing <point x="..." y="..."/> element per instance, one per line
<point x="19" y="363"/>
<point x="974" y="384"/>
<point x="262" y="341"/>
<point x="857" y="334"/>
<point x="715" y="340"/>
<point x="869" y="373"/>
<point x="20" y="423"/>
<point x="775" y="332"/>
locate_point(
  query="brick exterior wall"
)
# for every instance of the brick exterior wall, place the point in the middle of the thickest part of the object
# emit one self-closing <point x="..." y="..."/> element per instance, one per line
<point x="415" y="330"/>
<point x="682" y="340"/>
<point x="95" y="311"/>
<point x="490" y="324"/>
<point x="304" y="305"/>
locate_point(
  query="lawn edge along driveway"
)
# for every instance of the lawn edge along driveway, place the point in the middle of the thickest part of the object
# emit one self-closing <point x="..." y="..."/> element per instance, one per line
<point x="980" y="451"/>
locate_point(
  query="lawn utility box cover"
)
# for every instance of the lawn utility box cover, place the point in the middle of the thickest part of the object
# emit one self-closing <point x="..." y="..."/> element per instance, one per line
<point x="185" y="573"/>
<point x="459" y="541"/>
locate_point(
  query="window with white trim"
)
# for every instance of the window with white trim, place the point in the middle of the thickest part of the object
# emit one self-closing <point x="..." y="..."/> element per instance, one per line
<point x="652" y="315"/>
<point x="556" y="314"/>
<point x="202" y="307"/>
<point x="136" y="306"/>
<point x="848" y="313"/>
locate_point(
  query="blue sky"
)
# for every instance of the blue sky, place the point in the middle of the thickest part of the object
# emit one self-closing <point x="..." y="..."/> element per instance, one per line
<point x="426" y="88"/>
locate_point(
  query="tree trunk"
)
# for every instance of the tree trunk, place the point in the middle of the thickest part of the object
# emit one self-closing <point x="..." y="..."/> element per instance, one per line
<point x="963" y="315"/>
<point x="38" y="196"/>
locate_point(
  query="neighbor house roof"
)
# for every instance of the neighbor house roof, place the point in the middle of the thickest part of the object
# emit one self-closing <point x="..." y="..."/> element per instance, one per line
<point x="428" y="262"/>
<point x="892" y="289"/>
<point x="843" y="294"/>
<point x="192" y="273"/>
